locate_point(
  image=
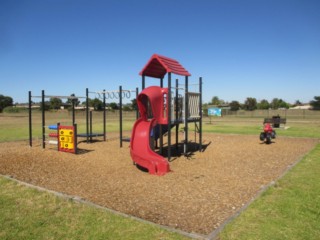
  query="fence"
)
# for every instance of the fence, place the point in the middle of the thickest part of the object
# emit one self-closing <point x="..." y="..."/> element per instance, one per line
<point x="284" y="113"/>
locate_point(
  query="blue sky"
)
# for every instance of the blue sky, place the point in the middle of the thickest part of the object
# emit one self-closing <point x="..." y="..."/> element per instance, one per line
<point x="250" y="48"/>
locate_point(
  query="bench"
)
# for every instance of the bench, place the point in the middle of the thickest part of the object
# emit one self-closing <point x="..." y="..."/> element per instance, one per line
<point x="275" y="121"/>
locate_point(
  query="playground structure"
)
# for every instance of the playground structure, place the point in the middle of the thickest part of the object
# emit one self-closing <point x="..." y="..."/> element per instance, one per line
<point x="89" y="134"/>
<point x="161" y="110"/>
<point x="267" y="134"/>
<point x="66" y="137"/>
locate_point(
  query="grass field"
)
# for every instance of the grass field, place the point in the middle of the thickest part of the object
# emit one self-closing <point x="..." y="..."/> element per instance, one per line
<point x="288" y="210"/>
<point x="15" y="126"/>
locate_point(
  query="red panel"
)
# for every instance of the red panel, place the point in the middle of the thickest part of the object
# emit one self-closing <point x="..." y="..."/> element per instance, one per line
<point x="159" y="65"/>
<point x="53" y="134"/>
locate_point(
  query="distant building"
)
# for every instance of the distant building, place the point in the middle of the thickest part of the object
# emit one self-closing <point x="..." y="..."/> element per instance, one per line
<point x="303" y="106"/>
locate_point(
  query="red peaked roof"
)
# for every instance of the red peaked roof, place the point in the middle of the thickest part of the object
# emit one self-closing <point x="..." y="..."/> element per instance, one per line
<point x="159" y="65"/>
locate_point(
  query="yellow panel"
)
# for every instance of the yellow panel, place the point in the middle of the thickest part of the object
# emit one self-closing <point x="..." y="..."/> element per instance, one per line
<point x="69" y="133"/>
<point x="70" y="145"/>
<point x="63" y="139"/>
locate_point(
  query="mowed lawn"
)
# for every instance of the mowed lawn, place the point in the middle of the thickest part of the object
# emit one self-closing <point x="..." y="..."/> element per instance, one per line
<point x="290" y="209"/>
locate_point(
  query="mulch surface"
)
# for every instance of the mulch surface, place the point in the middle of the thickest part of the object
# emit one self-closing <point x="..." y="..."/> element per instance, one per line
<point x="202" y="191"/>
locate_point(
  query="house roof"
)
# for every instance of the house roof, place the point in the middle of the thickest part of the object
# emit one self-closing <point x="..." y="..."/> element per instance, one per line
<point x="158" y="66"/>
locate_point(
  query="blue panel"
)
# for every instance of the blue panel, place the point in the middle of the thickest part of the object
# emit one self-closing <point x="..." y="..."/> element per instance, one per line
<point x="53" y="127"/>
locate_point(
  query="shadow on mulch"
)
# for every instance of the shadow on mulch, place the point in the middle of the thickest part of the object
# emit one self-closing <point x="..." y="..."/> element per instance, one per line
<point x="177" y="150"/>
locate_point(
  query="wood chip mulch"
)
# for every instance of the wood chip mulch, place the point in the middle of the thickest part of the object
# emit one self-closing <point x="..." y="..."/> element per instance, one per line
<point x="201" y="193"/>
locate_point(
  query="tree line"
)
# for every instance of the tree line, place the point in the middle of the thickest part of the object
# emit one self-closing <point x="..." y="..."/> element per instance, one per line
<point x="251" y="104"/>
<point x="56" y="103"/>
<point x="95" y="103"/>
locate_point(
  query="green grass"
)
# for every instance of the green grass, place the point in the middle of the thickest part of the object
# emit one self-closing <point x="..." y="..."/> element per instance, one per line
<point x="15" y="126"/>
<point x="27" y="213"/>
<point x="288" y="210"/>
<point x="253" y="126"/>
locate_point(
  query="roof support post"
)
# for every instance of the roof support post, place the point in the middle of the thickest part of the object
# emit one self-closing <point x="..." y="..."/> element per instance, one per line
<point x="169" y="115"/>
<point x="160" y="127"/>
<point x="137" y="110"/>
<point x="186" y="114"/>
<point x="143" y="82"/>
<point x="176" y="106"/>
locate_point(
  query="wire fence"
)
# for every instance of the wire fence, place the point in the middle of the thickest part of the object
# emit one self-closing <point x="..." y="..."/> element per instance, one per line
<point x="283" y="113"/>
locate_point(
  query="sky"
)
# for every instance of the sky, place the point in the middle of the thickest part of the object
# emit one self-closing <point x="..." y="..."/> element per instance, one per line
<point x="263" y="49"/>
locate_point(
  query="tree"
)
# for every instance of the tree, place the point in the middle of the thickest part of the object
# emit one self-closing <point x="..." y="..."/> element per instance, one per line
<point x="216" y="101"/>
<point x="250" y="104"/>
<point x="278" y="103"/>
<point x="234" y="106"/>
<point x="274" y="103"/>
<point x="113" y="106"/>
<point x="263" y="104"/>
<point x="134" y="104"/>
<point x="283" y="104"/>
<point x="315" y="103"/>
<point x="127" y="107"/>
<point x="55" y="103"/>
<point x="96" y="103"/>
<point x="5" y="101"/>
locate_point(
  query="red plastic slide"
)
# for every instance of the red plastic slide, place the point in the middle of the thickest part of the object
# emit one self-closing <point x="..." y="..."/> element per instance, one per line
<point x="140" y="150"/>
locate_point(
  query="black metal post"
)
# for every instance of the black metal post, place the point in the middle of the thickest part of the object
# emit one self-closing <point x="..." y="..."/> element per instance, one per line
<point x="143" y="81"/>
<point x="200" y="109"/>
<point x="160" y="127"/>
<point x="137" y="109"/>
<point x="30" y="120"/>
<point x="169" y="115"/>
<point x="91" y="126"/>
<point x="87" y="114"/>
<point x="120" y="113"/>
<point x="176" y="109"/>
<point x="104" y="115"/>
<point x="186" y="115"/>
<point x="43" y="119"/>
<point x="75" y="135"/>
<point x="73" y="111"/>
<point x="58" y="134"/>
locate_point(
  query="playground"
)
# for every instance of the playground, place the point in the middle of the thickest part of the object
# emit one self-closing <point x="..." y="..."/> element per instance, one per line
<point x="200" y="193"/>
<point x="203" y="179"/>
